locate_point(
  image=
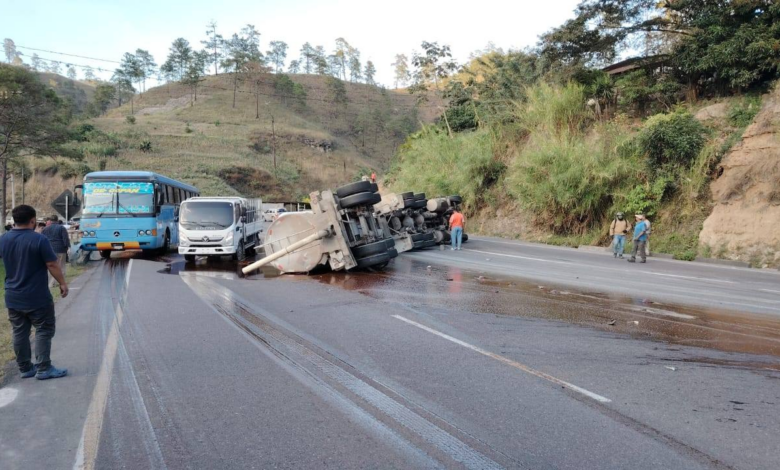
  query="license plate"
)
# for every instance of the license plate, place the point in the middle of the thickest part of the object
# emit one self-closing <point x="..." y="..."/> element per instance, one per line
<point x="118" y="246"/>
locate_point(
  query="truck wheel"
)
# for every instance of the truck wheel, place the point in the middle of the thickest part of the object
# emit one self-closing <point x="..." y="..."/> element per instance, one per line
<point x="166" y="243"/>
<point x="420" y="196"/>
<point x="354" y="188"/>
<point x="240" y="254"/>
<point x="465" y="238"/>
<point x="374" y="188"/>
<point x="189" y="258"/>
<point x="105" y="254"/>
<point x="408" y="195"/>
<point x="422" y="237"/>
<point x="392" y="252"/>
<point x="370" y="249"/>
<point x="373" y="260"/>
<point x="455" y="199"/>
<point x="360" y="199"/>
<point x="390" y="242"/>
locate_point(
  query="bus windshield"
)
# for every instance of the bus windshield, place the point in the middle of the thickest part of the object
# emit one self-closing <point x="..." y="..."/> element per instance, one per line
<point x="197" y="215"/>
<point x="118" y="197"/>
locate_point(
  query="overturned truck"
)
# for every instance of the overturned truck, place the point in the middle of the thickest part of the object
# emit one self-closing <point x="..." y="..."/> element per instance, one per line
<point x="355" y="227"/>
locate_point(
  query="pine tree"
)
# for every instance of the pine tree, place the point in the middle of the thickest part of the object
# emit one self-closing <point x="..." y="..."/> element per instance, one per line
<point x="179" y="55"/>
<point x="308" y="58"/>
<point x="401" y="66"/>
<point x="89" y="74"/>
<point x="36" y="63"/>
<point x="342" y="54"/>
<point x="321" y="65"/>
<point x="355" y="67"/>
<point x="370" y="73"/>
<point x="71" y="72"/>
<point x="295" y="66"/>
<point x="9" y="47"/>
<point x="214" y="45"/>
<point x="147" y="66"/>
<point x="54" y="67"/>
<point x="277" y="54"/>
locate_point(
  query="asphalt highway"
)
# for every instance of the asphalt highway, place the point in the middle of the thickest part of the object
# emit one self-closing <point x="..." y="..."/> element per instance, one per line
<point x="502" y="355"/>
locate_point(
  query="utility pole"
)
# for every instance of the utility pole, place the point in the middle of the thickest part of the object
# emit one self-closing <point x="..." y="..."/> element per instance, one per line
<point x="22" y="184"/>
<point x="13" y="192"/>
<point x="273" y="140"/>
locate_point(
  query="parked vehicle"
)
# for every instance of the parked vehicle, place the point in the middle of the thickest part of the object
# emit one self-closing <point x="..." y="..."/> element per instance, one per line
<point x="269" y="215"/>
<point x="131" y="210"/>
<point x="220" y="226"/>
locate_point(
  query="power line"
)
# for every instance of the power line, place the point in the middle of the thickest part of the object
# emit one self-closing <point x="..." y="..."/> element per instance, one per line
<point x="71" y="55"/>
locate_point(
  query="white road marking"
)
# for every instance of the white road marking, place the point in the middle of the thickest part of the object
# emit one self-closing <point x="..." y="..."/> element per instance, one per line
<point x="666" y="313"/>
<point x="772" y="291"/>
<point x="520" y="257"/>
<point x="690" y="277"/>
<point x="507" y="361"/>
<point x="7" y="396"/>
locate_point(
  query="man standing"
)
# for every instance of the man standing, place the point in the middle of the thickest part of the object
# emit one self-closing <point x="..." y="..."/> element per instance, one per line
<point x="60" y="242"/>
<point x="640" y="239"/>
<point x="618" y="231"/>
<point x="27" y="256"/>
<point x="457" y="223"/>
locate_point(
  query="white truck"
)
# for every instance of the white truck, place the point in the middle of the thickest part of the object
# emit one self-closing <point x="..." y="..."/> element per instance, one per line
<point x="220" y="226"/>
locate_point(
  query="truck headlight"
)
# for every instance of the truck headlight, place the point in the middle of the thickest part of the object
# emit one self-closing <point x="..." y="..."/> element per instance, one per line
<point x="183" y="241"/>
<point x="229" y="238"/>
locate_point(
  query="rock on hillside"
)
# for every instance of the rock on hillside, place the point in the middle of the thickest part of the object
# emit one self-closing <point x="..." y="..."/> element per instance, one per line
<point x="746" y="216"/>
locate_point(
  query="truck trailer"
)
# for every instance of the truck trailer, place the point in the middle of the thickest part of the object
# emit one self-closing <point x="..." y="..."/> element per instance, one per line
<point x="220" y="226"/>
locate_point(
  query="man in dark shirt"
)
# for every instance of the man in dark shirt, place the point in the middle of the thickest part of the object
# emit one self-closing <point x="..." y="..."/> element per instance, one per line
<point x="27" y="257"/>
<point x="60" y="243"/>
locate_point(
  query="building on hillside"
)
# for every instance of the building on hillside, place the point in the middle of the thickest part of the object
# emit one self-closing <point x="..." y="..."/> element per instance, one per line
<point x="656" y="65"/>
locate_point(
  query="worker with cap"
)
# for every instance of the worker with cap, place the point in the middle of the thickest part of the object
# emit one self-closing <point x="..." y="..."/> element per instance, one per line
<point x="618" y="230"/>
<point x="640" y="239"/>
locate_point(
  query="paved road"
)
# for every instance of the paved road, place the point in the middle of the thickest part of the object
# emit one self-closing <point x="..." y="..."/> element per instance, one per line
<point x="503" y="355"/>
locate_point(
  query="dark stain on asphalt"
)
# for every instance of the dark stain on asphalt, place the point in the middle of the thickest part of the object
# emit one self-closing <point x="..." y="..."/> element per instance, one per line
<point x="442" y="289"/>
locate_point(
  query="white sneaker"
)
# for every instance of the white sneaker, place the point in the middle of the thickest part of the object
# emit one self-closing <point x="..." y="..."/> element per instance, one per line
<point x="452" y="249"/>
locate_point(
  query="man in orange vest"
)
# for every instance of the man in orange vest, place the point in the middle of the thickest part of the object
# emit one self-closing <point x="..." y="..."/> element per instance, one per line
<point x="457" y="224"/>
<point x="373" y="176"/>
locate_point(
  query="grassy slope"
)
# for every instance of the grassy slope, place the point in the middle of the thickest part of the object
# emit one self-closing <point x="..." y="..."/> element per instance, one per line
<point x="222" y="137"/>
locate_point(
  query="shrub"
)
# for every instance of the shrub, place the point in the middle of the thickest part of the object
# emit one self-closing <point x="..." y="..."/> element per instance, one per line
<point x="187" y="128"/>
<point x="130" y="119"/>
<point x="742" y="113"/>
<point x="675" y="139"/>
<point x="461" y="117"/>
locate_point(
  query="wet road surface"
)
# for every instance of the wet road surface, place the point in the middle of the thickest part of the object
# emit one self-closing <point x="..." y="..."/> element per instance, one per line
<point x="445" y="360"/>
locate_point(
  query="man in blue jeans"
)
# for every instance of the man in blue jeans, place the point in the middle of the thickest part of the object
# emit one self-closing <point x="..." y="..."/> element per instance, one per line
<point x="640" y="239"/>
<point x="27" y="257"/>
<point x="457" y="222"/>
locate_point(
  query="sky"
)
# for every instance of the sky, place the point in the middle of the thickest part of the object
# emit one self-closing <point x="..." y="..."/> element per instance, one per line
<point x="107" y="29"/>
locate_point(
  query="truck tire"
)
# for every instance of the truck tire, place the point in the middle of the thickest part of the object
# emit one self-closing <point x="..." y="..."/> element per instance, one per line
<point x="189" y="258"/>
<point x="370" y="249"/>
<point x="455" y="199"/>
<point x="240" y="254"/>
<point x="390" y="242"/>
<point x="354" y="188"/>
<point x="373" y="260"/>
<point x="409" y="203"/>
<point x="360" y="199"/>
<point x="422" y="237"/>
<point x="465" y="238"/>
<point x="420" y="204"/>
<point x="392" y="252"/>
<point x="409" y="195"/>
<point x="374" y="188"/>
<point x="420" y="196"/>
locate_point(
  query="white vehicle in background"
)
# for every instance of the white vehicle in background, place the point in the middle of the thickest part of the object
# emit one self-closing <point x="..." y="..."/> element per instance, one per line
<point x="219" y="226"/>
<point x="272" y="214"/>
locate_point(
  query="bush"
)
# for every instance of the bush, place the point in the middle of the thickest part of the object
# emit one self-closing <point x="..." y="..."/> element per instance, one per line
<point x="130" y="119"/>
<point x="461" y="118"/>
<point x="187" y="128"/>
<point x="742" y="113"/>
<point x="672" y="139"/>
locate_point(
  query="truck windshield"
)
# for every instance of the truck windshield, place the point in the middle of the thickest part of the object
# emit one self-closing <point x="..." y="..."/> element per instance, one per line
<point x="197" y="215"/>
<point x="118" y="198"/>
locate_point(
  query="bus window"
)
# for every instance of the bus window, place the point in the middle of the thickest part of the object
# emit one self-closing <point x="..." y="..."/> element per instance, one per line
<point x="168" y="195"/>
<point x="176" y="195"/>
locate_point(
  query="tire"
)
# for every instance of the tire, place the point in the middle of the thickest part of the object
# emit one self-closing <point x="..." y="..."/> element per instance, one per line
<point x="240" y="254"/>
<point x="409" y="203"/>
<point x="455" y="199"/>
<point x="354" y="188"/>
<point x="406" y="195"/>
<point x="422" y="237"/>
<point x="429" y="243"/>
<point x="465" y="238"/>
<point x="105" y="254"/>
<point x="374" y="188"/>
<point x="360" y="199"/>
<point x="371" y="249"/>
<point x="420" y="196"/>
<point x="392" y="252"/>
<point x="166" y="243"/>
<point x="390" y="242"/>
<point x="373" y="260"/>
<point x="189" y="258"/>
<point x="420" y="204"/>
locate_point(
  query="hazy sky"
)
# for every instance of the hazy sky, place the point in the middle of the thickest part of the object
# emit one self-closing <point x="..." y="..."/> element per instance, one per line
<point x="106" y="29"/>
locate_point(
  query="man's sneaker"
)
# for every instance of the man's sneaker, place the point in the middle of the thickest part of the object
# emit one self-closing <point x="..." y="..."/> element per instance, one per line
<point x="51" y="373"/>
<point x="643" y="261"/>
<point x="621" y="256"/>
<point x="631" y="260"/>
<point x="29" y="373"/>
<point x="614" y="255"/>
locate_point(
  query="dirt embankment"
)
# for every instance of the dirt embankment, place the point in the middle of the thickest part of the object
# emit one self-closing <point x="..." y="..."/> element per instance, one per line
<point x="745" y="220"/>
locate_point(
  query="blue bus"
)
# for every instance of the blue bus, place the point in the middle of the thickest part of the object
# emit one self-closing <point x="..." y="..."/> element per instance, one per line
<point x="131" y="211"/>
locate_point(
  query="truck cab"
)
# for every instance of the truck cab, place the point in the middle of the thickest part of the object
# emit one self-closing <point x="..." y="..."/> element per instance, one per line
<point x="219" y="226"/>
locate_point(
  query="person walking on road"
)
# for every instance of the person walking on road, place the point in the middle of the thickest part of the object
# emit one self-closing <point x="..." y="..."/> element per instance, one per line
<point x="60" y="242"/>
<point x="27" y="257"/>
<point x="618" y="230"/>
<point x="373" y="176"/>
<point x="457" y="224"/>
<point x="640" y="240"/>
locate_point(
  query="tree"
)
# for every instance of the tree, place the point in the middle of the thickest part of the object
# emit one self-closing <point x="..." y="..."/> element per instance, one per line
<point x="32" y="121"/>
<point x="251" y="38"/>
<point x="355" y="67"/>
<point x="105" y="94"/>
<point x="89" y="74"/>
<point x="370" y="73"/>
<point x="433" y="65"/>
<point x="36" y="63"/>
<point x="146" y="64"/>
<point x="54" y="67"/>
<point x="9" y="47"/>
<point x="123" y="82"/>
<point x="214" y="44"/>
<point x="342" y="53"/>
<point x="179" y="56"/>
<point x="196" y="69"/>
<point x="130" y="69"/>
<point x="321" y="65"/>
<point x="295" y="66"/>
<point x="241" y="52"/>
<point x="308" y="58"/>
<point x="337" y="91"/>
<point x="277" y="54"/>
<point x="71" y="72"/>
<point x="401" y="69"/>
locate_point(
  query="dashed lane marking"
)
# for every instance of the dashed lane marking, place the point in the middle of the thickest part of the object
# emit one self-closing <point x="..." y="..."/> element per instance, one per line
<point x="7" y="396"/>
<point x="508" y="361"/>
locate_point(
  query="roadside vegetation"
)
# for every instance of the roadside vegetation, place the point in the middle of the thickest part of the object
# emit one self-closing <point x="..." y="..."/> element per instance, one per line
<point x="565" y="145"/>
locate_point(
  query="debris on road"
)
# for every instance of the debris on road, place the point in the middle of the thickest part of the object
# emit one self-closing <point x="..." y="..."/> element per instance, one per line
<point x="670" y="368"/>
<point x="612" y="322"/>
